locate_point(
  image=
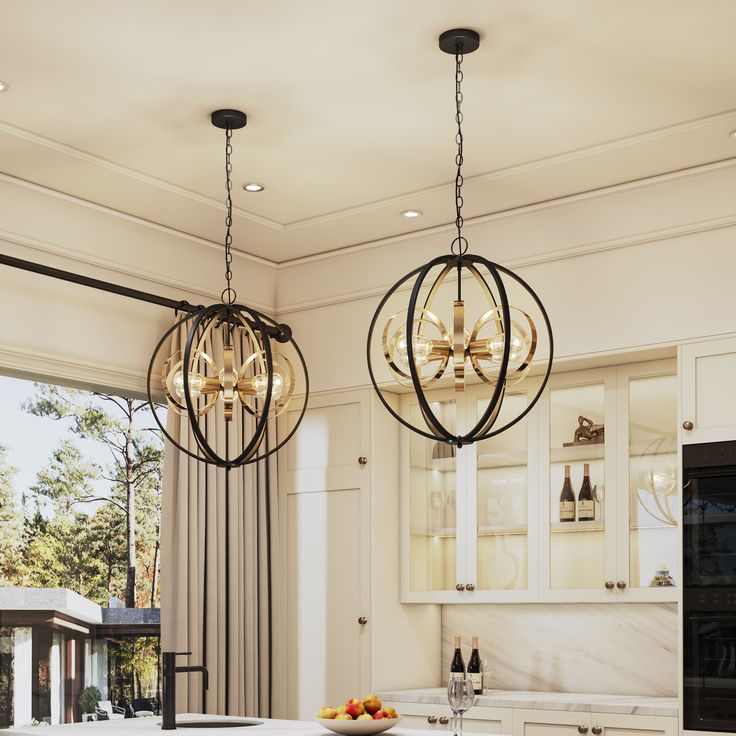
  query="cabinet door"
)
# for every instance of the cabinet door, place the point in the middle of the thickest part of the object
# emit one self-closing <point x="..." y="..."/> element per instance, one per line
<point x="550" y="723"/>
<point x="578" y="425"/>
<point x="324" y="496"/>
<point x="648" y="463"/>
<point x="433" y="512"/>
<point x="708" y="372"/>
<point x="502" y="524"/>
<point x="608" y="724"/>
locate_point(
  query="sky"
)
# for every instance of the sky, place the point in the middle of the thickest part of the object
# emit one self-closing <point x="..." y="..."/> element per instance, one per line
<point x="31" y="440"/>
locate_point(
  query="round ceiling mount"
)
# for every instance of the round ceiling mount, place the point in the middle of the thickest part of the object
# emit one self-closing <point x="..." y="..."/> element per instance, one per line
<point x="233" y="119"/>
<point x="459" y="41"/>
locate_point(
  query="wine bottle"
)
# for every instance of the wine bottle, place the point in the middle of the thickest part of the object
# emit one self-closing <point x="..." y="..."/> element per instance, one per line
<point x="567" y="498"/>
<point x="457" y="668"/>
<point x="474" y="671"/>
<point x="586" y="505"/>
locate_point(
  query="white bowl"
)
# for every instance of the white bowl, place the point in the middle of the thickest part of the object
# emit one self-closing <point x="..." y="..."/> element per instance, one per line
<point x="358" y="728"/>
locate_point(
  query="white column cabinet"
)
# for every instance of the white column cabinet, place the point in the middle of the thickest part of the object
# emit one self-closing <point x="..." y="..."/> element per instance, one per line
<point x="708" y="371"/>
<point x="481" y="523"/>
<point x="346" y="632"/>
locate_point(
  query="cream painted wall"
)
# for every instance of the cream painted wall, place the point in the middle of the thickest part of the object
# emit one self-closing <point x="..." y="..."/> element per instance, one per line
<point x="64" y="331"/>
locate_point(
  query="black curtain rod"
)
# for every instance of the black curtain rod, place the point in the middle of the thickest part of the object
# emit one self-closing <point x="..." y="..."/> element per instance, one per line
<point x="280" y="333"/>
<point x="75" y="278"/>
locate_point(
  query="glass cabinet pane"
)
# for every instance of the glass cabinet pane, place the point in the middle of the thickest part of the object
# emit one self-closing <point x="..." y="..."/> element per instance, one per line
<point x="502" y="502"/>
<point x="432" y="505"/>
<point x="653" y="504"/>
<point x="577" y="547"/>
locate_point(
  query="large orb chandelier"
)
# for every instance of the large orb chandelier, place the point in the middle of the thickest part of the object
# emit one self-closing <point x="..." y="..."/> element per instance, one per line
<point x="229" y="377"/>
<point x="497" y="347"/>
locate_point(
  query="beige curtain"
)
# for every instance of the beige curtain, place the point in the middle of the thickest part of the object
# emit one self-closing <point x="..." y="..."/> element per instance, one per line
<point x="219" y="565"/>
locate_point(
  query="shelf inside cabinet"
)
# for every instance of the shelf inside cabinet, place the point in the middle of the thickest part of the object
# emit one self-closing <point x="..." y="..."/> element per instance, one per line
<point x="443" y="464"/>
<point x="502" y="459"/>
<point x="494" y="530"/>
<point x="447" y="532"/>
<point x="557" y="527"/>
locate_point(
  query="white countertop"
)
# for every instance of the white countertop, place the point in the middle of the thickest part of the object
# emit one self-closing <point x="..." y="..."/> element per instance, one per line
<point x="639" y="705"/>
<point x="141" y="726"/>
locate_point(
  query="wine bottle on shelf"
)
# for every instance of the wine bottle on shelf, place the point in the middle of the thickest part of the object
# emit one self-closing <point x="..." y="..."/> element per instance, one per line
<point x="457" y="668"/>
<point x="567" y="498"/>
<point x="474" y="670"/>
<point x="586" y="504"/>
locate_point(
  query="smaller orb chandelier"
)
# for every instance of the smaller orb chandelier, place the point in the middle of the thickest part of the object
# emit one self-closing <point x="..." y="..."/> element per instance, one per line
<point x="228" y="378"/>
<point x="499" y="347"/>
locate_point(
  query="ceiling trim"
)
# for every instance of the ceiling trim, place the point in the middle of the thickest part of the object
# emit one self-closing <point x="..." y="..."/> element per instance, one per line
<point x="523" y="168"/>
<point x="518" y="211"/>
<point x="104" y="163"/>
<point x="24" y="183"/>
<point x="513" y="264"/>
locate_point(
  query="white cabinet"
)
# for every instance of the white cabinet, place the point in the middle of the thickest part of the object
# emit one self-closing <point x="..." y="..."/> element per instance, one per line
<point x="346" y="632"/>
<point x="708" y="373"/>
<point x="439" y="718"/>
<point x="481" y="523"/>
<point x="567" y="723"/>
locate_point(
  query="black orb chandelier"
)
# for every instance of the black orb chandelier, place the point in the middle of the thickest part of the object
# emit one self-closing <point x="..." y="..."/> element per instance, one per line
<point x="498" y="349"/>
<point x="228" y="374"/>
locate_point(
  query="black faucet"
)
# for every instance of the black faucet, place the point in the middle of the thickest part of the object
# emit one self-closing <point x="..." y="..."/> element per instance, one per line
<point x="169" y="686"/>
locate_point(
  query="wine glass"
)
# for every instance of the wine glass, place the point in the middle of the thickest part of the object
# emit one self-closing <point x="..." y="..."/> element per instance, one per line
<point x="460" y="695"/>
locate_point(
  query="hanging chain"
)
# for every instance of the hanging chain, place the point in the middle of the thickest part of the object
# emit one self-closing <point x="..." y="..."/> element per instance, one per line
<point x="228" y="295"/>
<point x="459" y="245"/>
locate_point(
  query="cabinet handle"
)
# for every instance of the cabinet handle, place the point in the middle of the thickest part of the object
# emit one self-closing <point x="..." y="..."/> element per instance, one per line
<point x="597" y="730"/>
<point x="362" y="460"/>
<point x="620" y="584"/>
<point x="460" y="587"/>
<point x="609" y="584"/>
<point x="470" y="587"/>
<point x="362" y="620"/>
<point x="444" y="720"/>
<point x="688" y="425"/>
<point x="432" y="719"/>
<point x="582" y="729"/>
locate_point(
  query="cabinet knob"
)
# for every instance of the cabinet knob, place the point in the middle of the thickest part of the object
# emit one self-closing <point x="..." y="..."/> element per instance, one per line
<point x="620" y="584"/>
<point x="362" y="620"/>
<point x="582" y="729"/>
<point x="609" y="584"/>
<point x="460" y="587"/>
<point x="597" y="730"/>
<point x="362" y="460"/>
<point x="470" y="587"/>
<point x="432" y="719"/>
<point x="444" y="720"/>
<point x="687" y="425"/>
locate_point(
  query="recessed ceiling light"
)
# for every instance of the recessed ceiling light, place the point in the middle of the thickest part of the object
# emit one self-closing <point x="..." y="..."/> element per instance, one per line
<point x="733" y="134"/>
<point x="4" y="86"/>
<point x="253" y="187"/>
<point x="411" y="213"/>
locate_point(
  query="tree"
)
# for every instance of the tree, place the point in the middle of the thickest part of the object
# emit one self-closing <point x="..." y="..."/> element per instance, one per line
<point x="11" y="522"/>
<point x="136" y="453"/>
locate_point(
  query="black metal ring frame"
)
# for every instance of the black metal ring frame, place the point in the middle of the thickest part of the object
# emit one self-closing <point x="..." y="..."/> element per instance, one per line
<point x="440" y="432"/>
<point x="264" y="325"/>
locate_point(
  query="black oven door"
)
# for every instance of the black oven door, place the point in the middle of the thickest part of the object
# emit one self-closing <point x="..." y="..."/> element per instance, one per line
<point x="710" y="672"/>
<point x="709" y="528"/>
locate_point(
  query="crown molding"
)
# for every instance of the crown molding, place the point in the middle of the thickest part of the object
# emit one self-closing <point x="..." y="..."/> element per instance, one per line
<point x="47" y="191"/>
<point x="39" y="246"/>
<point x="513" y="264"/>
<point x="131" y="173"/>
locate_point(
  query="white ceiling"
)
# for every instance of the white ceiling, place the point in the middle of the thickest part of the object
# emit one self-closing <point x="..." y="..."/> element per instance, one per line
<point x="350" y="107"/>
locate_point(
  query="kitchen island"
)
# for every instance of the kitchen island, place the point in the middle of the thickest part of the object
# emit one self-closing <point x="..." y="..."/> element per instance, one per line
<point x="145" y="726"/>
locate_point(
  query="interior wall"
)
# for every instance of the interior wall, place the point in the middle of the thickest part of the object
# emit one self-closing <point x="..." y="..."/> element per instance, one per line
<point x="77" y="334"/>
<point x="626" y="649"/>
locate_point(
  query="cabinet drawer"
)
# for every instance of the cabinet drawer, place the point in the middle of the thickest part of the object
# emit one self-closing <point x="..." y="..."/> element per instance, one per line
<point x="625" y="725"/>
<point x="478" y="719"/>
<point x="550" y="723"/>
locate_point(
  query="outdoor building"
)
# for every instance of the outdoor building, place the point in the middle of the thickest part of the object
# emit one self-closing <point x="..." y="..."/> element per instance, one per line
<point x="54" y="643"/>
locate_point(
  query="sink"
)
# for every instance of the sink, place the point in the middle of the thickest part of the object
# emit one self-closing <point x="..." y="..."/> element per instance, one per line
<point x="220" y="723"/>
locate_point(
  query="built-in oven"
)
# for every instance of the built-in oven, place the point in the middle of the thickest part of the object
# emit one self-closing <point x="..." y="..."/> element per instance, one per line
<point x="709" y="586"/>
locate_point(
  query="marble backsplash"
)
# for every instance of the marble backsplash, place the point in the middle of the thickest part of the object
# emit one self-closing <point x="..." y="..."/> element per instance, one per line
<point x="624" y="649"/>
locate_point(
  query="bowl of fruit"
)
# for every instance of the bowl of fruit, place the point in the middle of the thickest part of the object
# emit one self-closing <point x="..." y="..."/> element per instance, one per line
<point x="358" y="717"/>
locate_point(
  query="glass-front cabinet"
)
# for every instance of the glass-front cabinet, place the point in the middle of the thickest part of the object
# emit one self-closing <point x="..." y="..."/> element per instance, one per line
<point x="485" y="523"/>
